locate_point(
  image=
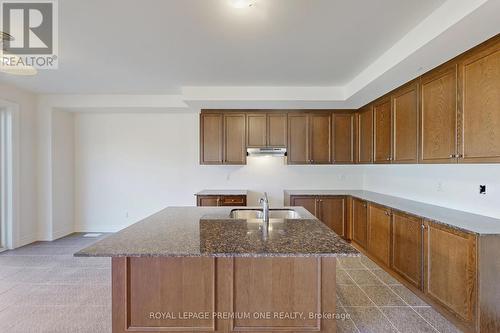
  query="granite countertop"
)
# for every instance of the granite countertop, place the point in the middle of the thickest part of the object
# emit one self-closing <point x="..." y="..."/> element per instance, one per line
<point x="479" y="224"/>
<point x="222" y="192"/>
<point x="208" y="231"/>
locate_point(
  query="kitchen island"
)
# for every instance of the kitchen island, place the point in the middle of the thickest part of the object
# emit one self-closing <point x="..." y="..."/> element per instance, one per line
<point x="195" y="269"/>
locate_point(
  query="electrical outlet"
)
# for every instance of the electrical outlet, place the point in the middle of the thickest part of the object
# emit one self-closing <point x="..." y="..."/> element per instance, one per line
<point x="482" y="189"/>
<point x="440" y="187"/>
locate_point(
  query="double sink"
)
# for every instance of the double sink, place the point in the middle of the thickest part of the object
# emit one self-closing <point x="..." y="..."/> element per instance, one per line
<point x="258" y="214"/>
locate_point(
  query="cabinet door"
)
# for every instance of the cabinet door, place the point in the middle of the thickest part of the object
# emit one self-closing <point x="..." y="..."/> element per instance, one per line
<point x="406" y="247"/>
<point x="234" y="138"/>
<point x="208" y="200"/>
<point x="382" y="131"/>
<point x="450" y="269"/>
<point x="308" y="202"/>
<point x="343" y="137"/>
<point x="438" y="128"/>
<point x="276" y="129"/>
<point x="256" y="130"/>
<point x="365" y="135"/>
<point x="379" y="233"/>
<point x="332" y="212"/>
<point x="480" y="96"/>
<point x="405" y="124"/>
<point x="321" y="138"/>
<point x="211" y="138"/>
<point x="298" y="138"/>
<point x="360" y="222"/>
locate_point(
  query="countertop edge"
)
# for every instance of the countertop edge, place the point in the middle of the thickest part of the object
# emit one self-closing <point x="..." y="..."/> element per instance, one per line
<point x="358" y="194"/>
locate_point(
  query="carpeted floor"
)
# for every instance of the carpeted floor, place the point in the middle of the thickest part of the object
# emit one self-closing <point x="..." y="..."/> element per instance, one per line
<point x="43" y="288"/>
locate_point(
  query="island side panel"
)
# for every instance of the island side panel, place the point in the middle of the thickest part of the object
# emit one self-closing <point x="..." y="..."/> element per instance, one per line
<point x="159" y="294"/>
<point x="172" y="286"/>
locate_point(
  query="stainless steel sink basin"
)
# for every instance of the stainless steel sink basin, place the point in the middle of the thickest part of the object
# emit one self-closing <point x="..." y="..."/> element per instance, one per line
<point x="250" y="214"/>
<point x="246" y="214"/>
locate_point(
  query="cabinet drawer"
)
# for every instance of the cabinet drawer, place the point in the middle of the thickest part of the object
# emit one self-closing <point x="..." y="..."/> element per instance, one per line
<point x="237" y="200"/>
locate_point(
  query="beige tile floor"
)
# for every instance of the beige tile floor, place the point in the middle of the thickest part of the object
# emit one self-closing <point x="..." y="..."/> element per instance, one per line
<point x="43" y="288"/>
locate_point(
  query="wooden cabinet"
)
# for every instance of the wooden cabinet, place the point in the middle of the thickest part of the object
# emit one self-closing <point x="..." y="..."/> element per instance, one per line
<point x="379" y="233"/>
<point x="450" y="270"/>
<point x="309" y="138"/>
<point x="320" y="138"/>
<point x="343" y="137"/>
<point x="222" y="138"/>
<point x="266" y="130"/>
<point x="438" y="116"/>
<point x="360" y="222"/>
<point x="479" y="89"/>
<point x="298" y="139"/>
<point x="364" y="135"/>
<point x="406" y="247"/>
<point x="308" y="202"/>
<point x="221" y="200"/>
<point x="405" y="124"/>
<point x="331" y="210"/>
<point x="256" y="130"/>
<point x="211" y="138"/>
<point x="276" y="129"/>
<point x="382" y="124"/>
<point x="234" y="138"/>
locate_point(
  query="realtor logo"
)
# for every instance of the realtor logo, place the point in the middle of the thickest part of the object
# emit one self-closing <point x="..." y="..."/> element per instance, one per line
<point x="33" y="26"/>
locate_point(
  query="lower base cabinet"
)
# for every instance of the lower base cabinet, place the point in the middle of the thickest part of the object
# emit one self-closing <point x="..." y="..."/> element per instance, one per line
<point x="360" y="222"/>
<point x="406" y="247"/>
<point x="331" y="210"/>
<point x="379" y="233"/>
<point x="223" y="295"/>
<point x="450" y="270"/>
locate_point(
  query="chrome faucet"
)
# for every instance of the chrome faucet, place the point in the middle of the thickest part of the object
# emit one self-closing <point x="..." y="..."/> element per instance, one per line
<point x="265" y="214"/>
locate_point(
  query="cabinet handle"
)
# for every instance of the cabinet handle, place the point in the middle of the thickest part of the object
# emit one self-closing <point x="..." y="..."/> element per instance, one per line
<point x="453" y="156"/>
<point x="387" y="213"/>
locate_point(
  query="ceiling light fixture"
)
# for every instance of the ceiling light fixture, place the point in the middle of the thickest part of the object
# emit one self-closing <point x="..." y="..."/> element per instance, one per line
<point x="242" y="3"/>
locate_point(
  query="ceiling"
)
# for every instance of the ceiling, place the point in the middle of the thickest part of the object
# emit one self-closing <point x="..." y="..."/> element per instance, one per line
<point x="157" y="46"/>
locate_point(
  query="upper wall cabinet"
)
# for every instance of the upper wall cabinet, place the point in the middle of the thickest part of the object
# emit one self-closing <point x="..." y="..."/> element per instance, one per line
<point x="309" y="138"/>
<point x="479" y="89"/>
<point x="405" y="124"/>
<point x="382" y="130"/>
<point x="266" y="129"/>
<point x="364" y="135"/>
<point x="438" y="115"/>
<point x="211" y="138"/>
<point x="343" y="137"/>
<point x="222" y="138"/>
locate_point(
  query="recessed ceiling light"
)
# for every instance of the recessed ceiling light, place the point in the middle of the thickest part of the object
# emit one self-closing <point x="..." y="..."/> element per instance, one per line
<point x="242" y="3"/>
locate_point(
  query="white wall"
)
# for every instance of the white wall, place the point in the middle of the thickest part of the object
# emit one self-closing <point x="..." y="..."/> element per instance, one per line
<point x="63" y="173"/>
<point x="131" y="165"/>
<point x="26" y="228"/>
<point x="454" y="186"/>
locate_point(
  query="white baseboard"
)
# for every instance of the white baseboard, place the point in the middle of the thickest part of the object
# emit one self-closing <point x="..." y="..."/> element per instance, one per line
<point x="99" y="228"/>
<point x="61" y="233"/>
<point x="25" y="240"/>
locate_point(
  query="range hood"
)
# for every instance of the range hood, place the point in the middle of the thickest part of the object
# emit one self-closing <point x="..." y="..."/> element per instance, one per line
<point x="266" y="151"/>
